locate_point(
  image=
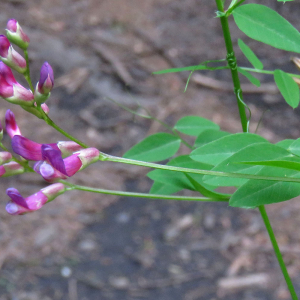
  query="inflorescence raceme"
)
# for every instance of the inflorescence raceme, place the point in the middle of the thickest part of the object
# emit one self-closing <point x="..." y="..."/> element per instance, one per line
<point x="54" y="161"/>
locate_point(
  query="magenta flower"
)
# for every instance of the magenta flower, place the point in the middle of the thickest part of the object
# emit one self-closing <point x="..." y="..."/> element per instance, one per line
<point x="11" y="125"/>
<point x="10" y="56"/>
<point x="19" y="205"/>
<point x="16" y="34"/>
<point x="54" y="167"/>
<point x="31" y="150"/>
<point x="11" y="90"/>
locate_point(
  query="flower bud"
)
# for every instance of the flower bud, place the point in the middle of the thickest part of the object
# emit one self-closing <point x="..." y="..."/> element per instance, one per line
<point x="11" y="90"/>
<point x="16" y="35"/>
<point x="5" y="157"/>
<point x="46" y="81"/>
<point x="11" y="125"/>
<point x="10" y="169"/>
<point x="10" y="56"/>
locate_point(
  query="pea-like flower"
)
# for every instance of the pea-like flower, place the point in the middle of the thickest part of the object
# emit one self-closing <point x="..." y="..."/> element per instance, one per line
<point x="19" y="205"/>
<point x="31" y="150"/>
<point x="10" y="56"/>
<point x="53" y="166"/>
<point x="11" y="90"/>
<point x="16" y="35"/>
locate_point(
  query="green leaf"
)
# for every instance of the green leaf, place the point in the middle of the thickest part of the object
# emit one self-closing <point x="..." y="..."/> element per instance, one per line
<point x="208" y="136"/>
<point x="235" y="163"/>
<point x="263" y="24"/>
<point x="253" y="59"/>
<point x="194" y="125"/>
<point x="287" y="87"/>
<point x="295" y="147"/>
<point x="205" y="192"/>
<point x="249" y="76"/>
<point x="215" y="152"/>
<point x="288" y="163"/>
<point x="285" y="144"/>
<point x="163" y="189"/>
<point x="259" y="192"/>
<point x="155" y="147"/>
<point x="178" y="179"/>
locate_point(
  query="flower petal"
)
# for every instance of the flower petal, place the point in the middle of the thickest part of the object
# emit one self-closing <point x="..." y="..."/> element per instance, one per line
<point x="28" y="149"/>
<point x="16" y="197"/>
<point x="54" y="157"/>
<point x="72" y="164"/>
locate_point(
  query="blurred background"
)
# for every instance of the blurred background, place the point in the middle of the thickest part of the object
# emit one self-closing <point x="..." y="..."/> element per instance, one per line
<point x="85" y="246"/>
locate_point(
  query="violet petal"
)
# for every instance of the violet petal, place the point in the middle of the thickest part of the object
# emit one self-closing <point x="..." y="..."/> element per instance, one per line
<point x="54" y="157"/>
<point x="26" y="148"/>
<point x="16" y="197"/>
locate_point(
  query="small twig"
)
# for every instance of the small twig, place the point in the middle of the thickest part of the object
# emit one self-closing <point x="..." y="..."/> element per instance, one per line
<point x="118" y="66"/>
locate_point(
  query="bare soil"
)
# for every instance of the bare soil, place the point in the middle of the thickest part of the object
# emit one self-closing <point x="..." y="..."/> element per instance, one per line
<point x="89" y="246"/>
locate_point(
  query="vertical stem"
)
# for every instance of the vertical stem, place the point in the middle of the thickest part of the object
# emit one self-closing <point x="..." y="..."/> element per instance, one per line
<point x="239" y="96"/>
<point x="234" y="72"/>
<point x="277" y="252"/>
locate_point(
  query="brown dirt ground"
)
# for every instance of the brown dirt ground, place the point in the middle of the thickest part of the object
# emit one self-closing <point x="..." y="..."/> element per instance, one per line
<point x="86" y="246"/>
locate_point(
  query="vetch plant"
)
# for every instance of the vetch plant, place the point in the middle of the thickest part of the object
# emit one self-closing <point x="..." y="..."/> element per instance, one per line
<point x="261" y="172"/>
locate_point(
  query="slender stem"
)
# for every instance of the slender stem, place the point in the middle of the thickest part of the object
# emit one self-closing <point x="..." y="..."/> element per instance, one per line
<point x="27" y="72"/>
<point x="234" y="72"/>
<point x="106" y="157"/>
<point x="48" y="120"/>
<point x="238" y="92"/>
<point x="141" y="195"/>
<point x="277" y="252"/>
<point x="266" y="71"/>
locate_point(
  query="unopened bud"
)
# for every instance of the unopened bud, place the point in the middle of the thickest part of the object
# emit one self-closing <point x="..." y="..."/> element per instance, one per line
<point x="12" y="127"/>
<point x="10" y="169"/>
<point x="10" y="56"/>
<point x="46" y="81"/>
<point x="16" y="35"/>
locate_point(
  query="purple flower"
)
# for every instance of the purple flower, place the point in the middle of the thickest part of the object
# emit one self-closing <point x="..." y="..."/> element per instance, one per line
<point x="10" y="56"/>
<point x="19" y="205"/>
<point x="31" y="150"/>
<point x="11" y="90"/>
<point x="46" y="81"/>
<point x="16" y="34"/>
<point x="11" y="125"/>
<point x="54" y="167"/>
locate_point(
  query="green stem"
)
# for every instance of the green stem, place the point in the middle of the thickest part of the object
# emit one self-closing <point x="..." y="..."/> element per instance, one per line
<point x="266" y="72"/>
<point x="27" y="72"/>
<point x="234" y="72"/>
<point x="238" y="92"/>
<point x="48" y="120"/>
<point x="277" y="252"/>
<point x="106" y="157"/>
<point x="140" y="195"/>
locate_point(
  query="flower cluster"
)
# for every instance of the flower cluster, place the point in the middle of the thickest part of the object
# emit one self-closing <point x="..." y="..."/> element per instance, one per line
<point x="54" y="162"/>
<point x="10" y="89"/>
